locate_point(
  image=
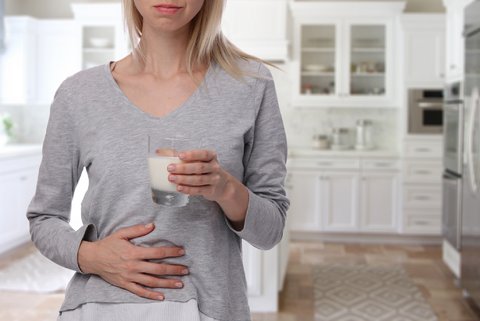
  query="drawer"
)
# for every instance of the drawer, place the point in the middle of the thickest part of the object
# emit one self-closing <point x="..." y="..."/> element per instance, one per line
<point x="429" y="197"/>
<point x="369" y="164"/>
<point x="423" y="172"/>
<point x="424" y="149"/>
<point x="303" y="163"/>
<point x="423" y="222"/>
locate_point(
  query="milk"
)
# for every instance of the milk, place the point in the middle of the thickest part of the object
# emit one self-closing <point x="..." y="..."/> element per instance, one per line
<point x="164" y="192"/>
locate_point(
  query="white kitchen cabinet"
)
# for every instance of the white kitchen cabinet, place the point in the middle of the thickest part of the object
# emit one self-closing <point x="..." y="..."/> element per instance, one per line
<point x="17" y="63"/>
<point x="304" y="193"/>
<point x="328" y="196"/>
<point x="454" y="39"/>
<point x="345" y="53"/>
<point x="262" y="31"/>
<point x="379" y="201"/>
<point x="58" y="55"/>
<point x="424" y="45"/>
<point x="338" y="198"/>
<point x="103" y="36"/>
<point x="18" y="179"/>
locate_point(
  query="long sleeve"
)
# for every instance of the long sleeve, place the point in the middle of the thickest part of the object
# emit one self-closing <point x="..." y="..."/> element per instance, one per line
<point x="265" y="170"/>
<point x="60" y="169"/>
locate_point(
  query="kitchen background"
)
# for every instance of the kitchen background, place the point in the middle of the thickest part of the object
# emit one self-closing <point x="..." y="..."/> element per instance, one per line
<point x="375" y="226"/>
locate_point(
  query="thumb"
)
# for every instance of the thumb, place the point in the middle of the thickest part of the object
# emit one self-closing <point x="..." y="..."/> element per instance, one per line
<point x="135" y="231"/>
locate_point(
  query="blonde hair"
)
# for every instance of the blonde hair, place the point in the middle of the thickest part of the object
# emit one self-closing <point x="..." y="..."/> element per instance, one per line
<point x="207" y="42"/>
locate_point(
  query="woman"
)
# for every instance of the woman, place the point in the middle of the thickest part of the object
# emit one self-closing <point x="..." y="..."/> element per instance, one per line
<point x="137" y="260"/>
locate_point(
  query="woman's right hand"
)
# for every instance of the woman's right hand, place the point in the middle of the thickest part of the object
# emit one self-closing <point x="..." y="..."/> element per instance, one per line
<point x="123" y="264"/>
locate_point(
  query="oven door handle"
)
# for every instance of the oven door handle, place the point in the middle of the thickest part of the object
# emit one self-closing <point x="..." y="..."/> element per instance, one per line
<point x="430" y="105"/>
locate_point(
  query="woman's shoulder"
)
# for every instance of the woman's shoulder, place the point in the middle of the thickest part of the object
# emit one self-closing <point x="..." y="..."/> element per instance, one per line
<point x="83" y="81"/>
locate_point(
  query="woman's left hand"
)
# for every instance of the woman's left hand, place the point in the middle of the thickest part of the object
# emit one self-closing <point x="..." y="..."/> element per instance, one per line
<point x="200" y="174"/>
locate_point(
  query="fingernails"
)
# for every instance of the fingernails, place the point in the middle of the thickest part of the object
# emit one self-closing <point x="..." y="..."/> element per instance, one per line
<point x="181" y="252"/>
<point x="172" y="178"/>
<point x="178" y="284"/>
<point x="160" y="297"/>
<point x="182" y="155"/>
<point x="185" y="271"/>
<point x="149" y="225"/>
<point x="171" y="167"/>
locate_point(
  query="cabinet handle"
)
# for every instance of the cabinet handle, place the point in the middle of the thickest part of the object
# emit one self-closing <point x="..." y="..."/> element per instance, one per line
<point x="422" y="198"/>
<point x="422" y="150"/>
<point x="421" y="223"/>
<point x="453" y="67"/>
<point x="324" y="164"/>
<point x="421" y="172"/>
<point x="382" y="164"/>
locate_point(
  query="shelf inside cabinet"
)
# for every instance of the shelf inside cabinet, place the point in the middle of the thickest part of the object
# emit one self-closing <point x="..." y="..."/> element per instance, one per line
<point x="368" y="74"/>
<point x="318" y="50"/>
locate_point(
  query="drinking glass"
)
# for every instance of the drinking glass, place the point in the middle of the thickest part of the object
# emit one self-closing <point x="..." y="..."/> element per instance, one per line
<point x="163" y="151"/>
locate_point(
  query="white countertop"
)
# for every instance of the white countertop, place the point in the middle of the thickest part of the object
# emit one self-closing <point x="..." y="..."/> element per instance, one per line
<point x="295" y="152"/>
<point x="16" y="150"/>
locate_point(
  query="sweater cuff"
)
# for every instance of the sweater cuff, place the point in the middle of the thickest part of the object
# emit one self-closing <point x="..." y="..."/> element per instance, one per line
<point x="254" y="219"/>
<point x="85" y="233"/>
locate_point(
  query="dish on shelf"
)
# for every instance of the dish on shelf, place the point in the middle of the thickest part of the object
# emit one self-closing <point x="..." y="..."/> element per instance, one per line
<point x="318" y="68"/>
<point x="100" y="42"/>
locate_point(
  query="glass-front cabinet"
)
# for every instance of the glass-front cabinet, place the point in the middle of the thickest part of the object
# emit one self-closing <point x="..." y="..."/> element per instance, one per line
<point x="344" y="53"/>
<point x="345" y="63"/>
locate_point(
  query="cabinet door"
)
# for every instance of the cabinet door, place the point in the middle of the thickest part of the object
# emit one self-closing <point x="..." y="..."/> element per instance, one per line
<point x="303" y="192"/>
<point x="454" y="42"/>
<point x="424" y="57"/>
<point x="9" y="207"/>
<point x="379" y="202"/>
<point x="319" y="59"/>
<point x="338" y="195"/>
<point x="367" y="60"/>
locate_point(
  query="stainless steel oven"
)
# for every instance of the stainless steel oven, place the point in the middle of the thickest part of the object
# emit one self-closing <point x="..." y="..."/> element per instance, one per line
<point x="425" y="111"/>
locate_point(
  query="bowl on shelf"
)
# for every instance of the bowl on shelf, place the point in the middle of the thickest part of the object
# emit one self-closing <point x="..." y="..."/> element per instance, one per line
<point x="317" y="68"/>
<point x="100" y="42"/>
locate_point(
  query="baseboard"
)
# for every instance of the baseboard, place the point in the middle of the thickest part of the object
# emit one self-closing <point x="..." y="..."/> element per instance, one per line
<point x="365" y="238"/>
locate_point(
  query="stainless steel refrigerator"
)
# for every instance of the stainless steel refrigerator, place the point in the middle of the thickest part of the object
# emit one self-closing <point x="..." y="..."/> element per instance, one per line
<point x="470" y="254"/>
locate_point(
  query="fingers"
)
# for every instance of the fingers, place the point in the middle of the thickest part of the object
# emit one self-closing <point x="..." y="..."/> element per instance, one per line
<point x="193" y="168"/>
<point x="195" y="180"/>
<point x="143" y="292"/>
<point x="134" y="231"/>
<point x="147" y="253"/>
<point x="155" y="282"/>
<point x="162" y="268"/>
<point x="203" y="155"/>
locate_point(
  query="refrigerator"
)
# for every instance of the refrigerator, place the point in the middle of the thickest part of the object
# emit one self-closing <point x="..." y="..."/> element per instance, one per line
<point x="470" y="238"/>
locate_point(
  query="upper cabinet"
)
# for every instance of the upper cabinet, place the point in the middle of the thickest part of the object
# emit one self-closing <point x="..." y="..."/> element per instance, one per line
<point x="424" y="42"/>
<point x="103" y="37"/>
<point x="454" y="39"/>
<point x="345" y="53"/>
<point x="259" y="27"/>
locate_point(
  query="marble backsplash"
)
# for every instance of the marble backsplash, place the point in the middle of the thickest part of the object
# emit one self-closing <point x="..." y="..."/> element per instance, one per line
<point x="301" y="124"/>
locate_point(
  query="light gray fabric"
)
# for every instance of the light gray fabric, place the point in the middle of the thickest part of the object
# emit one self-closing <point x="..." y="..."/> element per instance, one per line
<point x="156" y="311"/>
<point x="92" y="124"/>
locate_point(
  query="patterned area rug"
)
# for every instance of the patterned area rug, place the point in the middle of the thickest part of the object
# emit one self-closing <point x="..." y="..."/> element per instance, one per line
<point x="367" y="293"/>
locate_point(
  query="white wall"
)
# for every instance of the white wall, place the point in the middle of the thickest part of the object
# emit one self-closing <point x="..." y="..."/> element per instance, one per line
<point x="61" y="8"/>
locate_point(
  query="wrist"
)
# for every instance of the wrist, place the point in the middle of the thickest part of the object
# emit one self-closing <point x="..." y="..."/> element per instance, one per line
<point x="84" y="257"/>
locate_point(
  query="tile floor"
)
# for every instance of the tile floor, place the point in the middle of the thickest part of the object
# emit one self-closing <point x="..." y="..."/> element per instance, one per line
<point x="423" y="263"/>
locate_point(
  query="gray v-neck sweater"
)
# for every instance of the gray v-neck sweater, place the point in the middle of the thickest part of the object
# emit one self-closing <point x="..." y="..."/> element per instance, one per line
<point x="92" y="124"/>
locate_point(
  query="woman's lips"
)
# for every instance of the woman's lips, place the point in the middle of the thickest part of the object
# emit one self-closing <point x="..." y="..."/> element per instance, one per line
<point x="167" y="9"/>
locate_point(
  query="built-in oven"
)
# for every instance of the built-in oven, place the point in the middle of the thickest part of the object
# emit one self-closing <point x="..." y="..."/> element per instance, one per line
<point x="425" y="111"/>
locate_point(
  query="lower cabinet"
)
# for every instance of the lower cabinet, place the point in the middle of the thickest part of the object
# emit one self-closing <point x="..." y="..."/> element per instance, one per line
<point x="348" y="200"/>
<point x="18" y="179"/>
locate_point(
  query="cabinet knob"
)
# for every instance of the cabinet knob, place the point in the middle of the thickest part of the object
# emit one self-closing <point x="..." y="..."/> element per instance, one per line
<point x="453" y="67"/>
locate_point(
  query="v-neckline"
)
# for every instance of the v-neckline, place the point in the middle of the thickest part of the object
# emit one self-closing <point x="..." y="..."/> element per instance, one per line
<point x="178" y="109"/>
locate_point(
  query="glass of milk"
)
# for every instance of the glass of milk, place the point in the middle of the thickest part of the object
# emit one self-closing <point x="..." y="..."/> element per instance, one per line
<point x="163" y="151"/>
